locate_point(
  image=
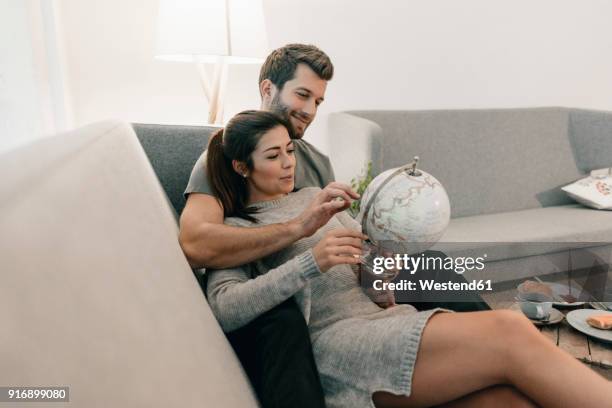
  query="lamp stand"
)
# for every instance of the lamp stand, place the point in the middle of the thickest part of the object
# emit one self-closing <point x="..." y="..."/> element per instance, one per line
<point x="214" y="87"/>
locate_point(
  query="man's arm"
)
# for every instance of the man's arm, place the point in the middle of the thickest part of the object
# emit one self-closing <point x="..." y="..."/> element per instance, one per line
<point x="208" y="243"/>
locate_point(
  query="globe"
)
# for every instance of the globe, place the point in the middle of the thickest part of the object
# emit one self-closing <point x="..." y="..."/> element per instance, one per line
<point x="405" y="209"/>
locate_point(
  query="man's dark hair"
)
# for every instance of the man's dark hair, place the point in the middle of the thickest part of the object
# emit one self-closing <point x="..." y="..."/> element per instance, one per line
<point x="281" y="64"/>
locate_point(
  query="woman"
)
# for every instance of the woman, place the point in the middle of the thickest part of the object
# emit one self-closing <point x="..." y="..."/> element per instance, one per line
<point x="367" y="355"/>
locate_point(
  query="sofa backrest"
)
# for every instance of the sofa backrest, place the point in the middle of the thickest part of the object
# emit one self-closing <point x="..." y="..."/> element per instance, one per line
<point x="496" y="160"/>
<point x="96" y="293"/>
<point x="172" y="151"/>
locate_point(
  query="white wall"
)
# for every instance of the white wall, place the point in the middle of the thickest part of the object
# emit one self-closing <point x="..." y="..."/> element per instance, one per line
<point x="32" y="83"/>
<point x="435" y="54"/>
<point x="20" y="108"/>
<point x="110" y="47"/>
<point x="389" y="54"/>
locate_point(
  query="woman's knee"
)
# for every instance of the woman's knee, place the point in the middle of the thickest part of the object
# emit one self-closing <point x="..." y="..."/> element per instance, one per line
<point x="515" y="337"/>
<point x="499" y="328"/>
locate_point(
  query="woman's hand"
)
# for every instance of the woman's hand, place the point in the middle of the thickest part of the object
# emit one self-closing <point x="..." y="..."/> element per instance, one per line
<point x="335" y="197"/>
<point x="338" y="247"/>
<point x="385" y="297"/>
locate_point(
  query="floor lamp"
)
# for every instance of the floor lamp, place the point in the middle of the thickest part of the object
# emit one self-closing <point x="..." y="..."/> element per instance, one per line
<point x="212" y="34"/>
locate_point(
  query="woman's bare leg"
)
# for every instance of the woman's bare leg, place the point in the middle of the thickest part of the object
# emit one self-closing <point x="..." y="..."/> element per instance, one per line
<point x="499" y="396"/>
<point x="461" y="353"/>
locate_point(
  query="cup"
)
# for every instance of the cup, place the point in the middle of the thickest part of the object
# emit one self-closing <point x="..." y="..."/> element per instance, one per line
<point x="370" y="253"/>
<point x="535" y="306"/>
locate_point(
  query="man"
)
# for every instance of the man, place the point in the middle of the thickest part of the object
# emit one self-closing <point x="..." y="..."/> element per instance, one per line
<point x="275" y="348"/>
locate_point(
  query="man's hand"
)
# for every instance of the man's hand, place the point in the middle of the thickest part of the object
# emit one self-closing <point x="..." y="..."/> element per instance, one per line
<point x="335" y="197"/>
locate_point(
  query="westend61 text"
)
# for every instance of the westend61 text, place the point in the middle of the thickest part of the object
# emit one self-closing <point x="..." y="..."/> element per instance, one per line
<point x="476" y="285"/>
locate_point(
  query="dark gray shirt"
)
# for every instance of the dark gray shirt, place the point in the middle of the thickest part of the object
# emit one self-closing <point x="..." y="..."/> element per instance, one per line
<point x="313" y="169"/>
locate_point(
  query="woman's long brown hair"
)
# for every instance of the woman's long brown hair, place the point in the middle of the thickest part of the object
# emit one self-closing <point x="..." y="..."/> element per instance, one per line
<point x="237" y="142"/>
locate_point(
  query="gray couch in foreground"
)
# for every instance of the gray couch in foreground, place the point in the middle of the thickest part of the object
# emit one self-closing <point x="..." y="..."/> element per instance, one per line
<point x="96" y="293"/>
<point x="502" y="169"/>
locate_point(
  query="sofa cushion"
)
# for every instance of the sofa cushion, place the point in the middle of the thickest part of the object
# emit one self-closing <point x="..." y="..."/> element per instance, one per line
<point x="96" y="293"/>
<point x="594" y="192"/>
<point x="529" y="232"/>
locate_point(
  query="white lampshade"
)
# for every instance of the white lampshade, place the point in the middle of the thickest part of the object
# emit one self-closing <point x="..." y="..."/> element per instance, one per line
<point x="202" y="31"/>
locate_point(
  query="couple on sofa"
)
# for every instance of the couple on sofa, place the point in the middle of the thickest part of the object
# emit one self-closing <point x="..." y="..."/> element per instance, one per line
<point x="265" y="220"/>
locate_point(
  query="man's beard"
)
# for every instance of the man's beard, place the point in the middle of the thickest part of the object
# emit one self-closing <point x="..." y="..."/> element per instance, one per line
<point x="277" y="106"/>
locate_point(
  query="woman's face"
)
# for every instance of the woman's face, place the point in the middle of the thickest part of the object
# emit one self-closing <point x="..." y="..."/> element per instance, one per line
<point x="273" y="166"/>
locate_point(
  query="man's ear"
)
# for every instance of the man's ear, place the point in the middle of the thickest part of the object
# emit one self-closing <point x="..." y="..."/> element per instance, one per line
<point x="266" y="90"/>
<point x="240" y="168"/>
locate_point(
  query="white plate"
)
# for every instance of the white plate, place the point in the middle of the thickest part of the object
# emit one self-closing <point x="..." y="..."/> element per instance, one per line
<point x="562" y="289"/>
<point x="596" y="306"/>
<point x="577" y="319"/>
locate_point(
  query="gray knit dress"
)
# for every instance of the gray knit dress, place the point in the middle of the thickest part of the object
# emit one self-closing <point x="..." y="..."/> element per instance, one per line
<point x="359" y="347"/>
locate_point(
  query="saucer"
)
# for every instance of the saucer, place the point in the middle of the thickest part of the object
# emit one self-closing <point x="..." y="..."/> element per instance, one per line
<point x="554" y="317"/>
<point x="561" y="289"/>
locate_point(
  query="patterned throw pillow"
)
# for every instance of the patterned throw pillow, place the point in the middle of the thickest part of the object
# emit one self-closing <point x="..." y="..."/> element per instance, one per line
<point x="594" y="191"/>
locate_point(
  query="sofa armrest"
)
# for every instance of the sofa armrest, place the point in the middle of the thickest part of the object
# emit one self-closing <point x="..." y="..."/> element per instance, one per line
<point x="353" y="142"/>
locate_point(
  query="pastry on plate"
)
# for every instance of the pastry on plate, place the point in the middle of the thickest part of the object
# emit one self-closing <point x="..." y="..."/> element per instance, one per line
<point x="603" y="322"/>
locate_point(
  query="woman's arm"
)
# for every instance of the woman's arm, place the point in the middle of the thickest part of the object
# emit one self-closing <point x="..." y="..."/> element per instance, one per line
<point x="236" y="299"/>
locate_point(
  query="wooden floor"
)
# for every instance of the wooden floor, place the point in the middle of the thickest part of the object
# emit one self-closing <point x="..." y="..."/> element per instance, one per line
<point x="596" y="354"/>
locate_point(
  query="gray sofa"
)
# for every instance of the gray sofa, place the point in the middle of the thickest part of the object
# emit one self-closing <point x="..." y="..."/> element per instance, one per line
<point x="502" y="169"/>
